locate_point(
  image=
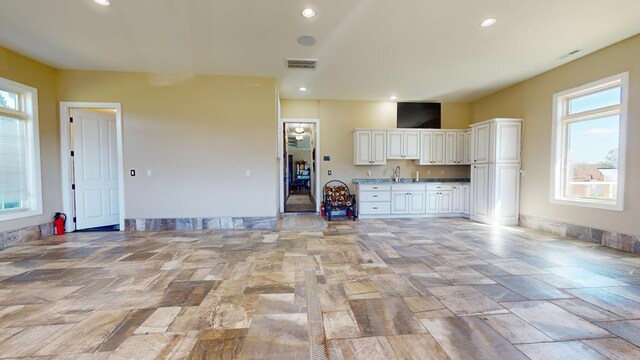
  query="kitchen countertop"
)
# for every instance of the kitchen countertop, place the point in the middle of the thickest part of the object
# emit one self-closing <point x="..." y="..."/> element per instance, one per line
<point x="408" y="181"/>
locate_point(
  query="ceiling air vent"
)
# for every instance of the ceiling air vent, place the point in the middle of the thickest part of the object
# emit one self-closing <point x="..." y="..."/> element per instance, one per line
<point x="304" y="64"/>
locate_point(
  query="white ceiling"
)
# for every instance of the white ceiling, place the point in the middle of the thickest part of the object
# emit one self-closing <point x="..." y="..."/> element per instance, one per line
<point x="368" y="49"/>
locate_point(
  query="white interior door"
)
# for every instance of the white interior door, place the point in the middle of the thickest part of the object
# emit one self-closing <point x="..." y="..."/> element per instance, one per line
<point x="95" y="168"/>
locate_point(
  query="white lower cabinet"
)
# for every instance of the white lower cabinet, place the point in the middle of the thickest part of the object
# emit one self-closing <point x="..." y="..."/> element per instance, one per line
<point x="408" y="199"/>
<point x="420" y="199"/>
<point x="465" y="200"/>
<point x="440" y="199"/>
<point x="399" y="203"/>
<point x="374" y="199"/>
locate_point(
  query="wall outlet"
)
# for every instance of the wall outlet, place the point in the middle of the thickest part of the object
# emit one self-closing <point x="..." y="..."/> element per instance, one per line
<point x="369" y="173"/>
<point x="247" y="172"/>
<point x="441" y="172"/>
<point x="148" y="172"/>
<point x="428" y="172"/>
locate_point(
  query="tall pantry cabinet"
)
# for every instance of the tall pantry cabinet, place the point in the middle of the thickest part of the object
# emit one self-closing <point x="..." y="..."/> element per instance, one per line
<point x="495" y="171"/>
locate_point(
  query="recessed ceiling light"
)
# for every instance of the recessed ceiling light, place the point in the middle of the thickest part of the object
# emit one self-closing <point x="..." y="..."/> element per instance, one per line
<point x="303" y="89"/>
<point x="393" y="97"/>
<point x="488" y="22"/>
<point x="102" y="2"/>
<point x="308" y="13"/>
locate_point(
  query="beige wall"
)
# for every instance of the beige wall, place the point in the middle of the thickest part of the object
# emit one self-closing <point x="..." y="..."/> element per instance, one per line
<point x="532" y="101"/>
<point x="197" y="134"/>
<point x="26" y="71"/>
<point x="338" y="119"/>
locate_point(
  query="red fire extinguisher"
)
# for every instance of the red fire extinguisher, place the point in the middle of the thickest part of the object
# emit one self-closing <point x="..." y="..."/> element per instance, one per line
<point x="58" y="222"/>
<point x="322" y="210"/>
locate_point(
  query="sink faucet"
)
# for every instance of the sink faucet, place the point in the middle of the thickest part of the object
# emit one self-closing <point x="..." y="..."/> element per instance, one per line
<point x="396" y="174"/>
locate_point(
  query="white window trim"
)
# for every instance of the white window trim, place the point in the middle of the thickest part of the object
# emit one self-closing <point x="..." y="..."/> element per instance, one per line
<point x="557" y="143"/>
<point x="29" y="99"/>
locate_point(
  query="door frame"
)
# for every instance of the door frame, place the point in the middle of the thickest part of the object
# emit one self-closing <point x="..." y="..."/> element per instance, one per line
<point x="65" y="155"/>
<point x="281" y="184"/>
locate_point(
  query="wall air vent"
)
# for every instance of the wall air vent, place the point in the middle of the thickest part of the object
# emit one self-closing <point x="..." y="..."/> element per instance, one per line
<point x="303" y="64"/>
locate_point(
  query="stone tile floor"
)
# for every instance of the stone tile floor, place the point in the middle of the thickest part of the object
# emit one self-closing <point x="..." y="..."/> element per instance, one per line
<point x="371" y="289"/>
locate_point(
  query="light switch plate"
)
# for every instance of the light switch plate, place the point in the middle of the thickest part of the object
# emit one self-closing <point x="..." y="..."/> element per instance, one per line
<point x="148" y="172"/>
<point x="329" y="172"/>
<point x="247" y="173"/>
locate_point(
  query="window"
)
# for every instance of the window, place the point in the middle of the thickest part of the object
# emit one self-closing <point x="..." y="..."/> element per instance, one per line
<point x="589" y="133"/>
<point x="20" y="187"/>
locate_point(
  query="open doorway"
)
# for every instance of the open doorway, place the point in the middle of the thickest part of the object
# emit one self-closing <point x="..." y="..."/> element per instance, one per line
<point x="300" y="173"/>
<point x="92" y="181"/>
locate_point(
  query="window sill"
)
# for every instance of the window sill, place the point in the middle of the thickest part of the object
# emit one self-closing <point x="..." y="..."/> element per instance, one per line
<point x="19" y="214"/>
<point x="589" y="203"/>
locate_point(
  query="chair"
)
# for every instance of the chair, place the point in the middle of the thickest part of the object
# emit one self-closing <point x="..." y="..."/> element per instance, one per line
<point x="338" y="200"/>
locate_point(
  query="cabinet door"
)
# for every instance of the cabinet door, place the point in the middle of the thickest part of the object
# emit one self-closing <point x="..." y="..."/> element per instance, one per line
<point x="394" y="145"/>
<point x="456" y="198"/>
<point x="411" y="145"/>
<point x="417" y="203"/>
<point x="432" y="202"/>
<point x="466" y="193"/>
<point x="445" y="202"/>
<point x="362" y="145"/>
<point x="437" y="148"/>
<point x="460" y="158"/>
<point x="480" y="191"/>
<point x="426" y="144"/>
<point x="378" y="150"/>
<point x="508" y="135"/>
<point x="480" y="140"/>
<point x="506" y="194"/>
<point x="399" y="202"/>
<point x="450" y="148"/>
<point x="467" y="148"/>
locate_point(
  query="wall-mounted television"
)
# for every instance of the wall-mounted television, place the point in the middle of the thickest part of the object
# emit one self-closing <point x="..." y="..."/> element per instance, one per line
<point x="419" y="115"/>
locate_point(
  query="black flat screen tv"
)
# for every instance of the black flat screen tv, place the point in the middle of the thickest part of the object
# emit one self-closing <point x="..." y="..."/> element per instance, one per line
<point x="414" y="115"/>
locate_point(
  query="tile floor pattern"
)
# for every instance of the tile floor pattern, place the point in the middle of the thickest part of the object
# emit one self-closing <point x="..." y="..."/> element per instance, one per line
<point x="371" y="289"/>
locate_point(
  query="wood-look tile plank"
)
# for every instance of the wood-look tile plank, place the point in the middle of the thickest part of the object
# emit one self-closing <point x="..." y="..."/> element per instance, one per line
<point x="554" y="321"/>
<point x="565" y="350"/>
<point x="614" y="348"/>
<point x="469" y="338"/>
<point x="417" y="347"/>
<point x="465" y="300"/>
<point x="385" y="317"/>
<point x="288" y="337"/>
<point x="340" y="325"/>
<point x="365" y="348"/>
<point x="514" y="329"/>
<point x="619" y="305"/>
<point x="531" y="288"/>
<point x="628" y="329"/>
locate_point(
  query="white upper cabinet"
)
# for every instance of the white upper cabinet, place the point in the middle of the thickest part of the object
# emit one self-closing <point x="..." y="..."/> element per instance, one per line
<point x="508" y="138"/>
<point x="467" y="148"/>
<point x="432" y="148"/>
<point x="362" y="144"/>
<point x="450" y="148"/>
<point x="437" y="148"/>
<point x="394" y="145"/>
<point x="412" y="145"/>
<point x="378" y="148"/>
<point x="403" y="144"/>
<point x="460" y="149"/>
<point x="480" y="143"/>
<point x="369" y="147"/>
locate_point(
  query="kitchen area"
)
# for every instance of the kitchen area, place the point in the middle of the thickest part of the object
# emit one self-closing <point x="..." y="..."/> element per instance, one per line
<point x="488" y="151"/>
